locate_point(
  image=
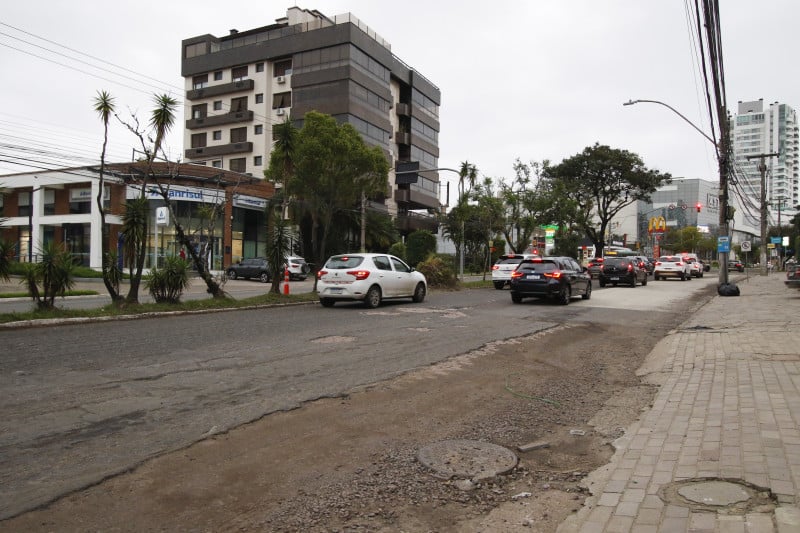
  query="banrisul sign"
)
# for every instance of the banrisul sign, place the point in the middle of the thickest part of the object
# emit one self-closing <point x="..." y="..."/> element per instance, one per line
<point x="179" y="193"/>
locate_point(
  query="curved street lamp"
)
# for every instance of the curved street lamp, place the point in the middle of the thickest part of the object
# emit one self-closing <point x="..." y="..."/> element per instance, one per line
<point x="631" y="102"/>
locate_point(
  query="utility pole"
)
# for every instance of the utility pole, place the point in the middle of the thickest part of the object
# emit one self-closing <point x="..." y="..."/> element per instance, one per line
<point x="780" y="229"/>
<point x="762" y="168"/>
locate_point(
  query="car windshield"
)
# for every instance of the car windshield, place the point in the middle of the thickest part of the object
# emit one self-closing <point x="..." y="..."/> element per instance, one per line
<point x="344" y="261"/>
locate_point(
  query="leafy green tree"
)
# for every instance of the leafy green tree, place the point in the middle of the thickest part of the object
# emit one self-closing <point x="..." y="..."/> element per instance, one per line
<point x="419" y="245"/>
<point x="398" y="249"/>
<point x="333" y="168"/>
<point x="600" y="182"/>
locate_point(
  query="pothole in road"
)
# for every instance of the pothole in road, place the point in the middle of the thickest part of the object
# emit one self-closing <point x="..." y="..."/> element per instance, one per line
<point x="724" y="495"/>
<point x="334" y="339"/>
<point x="467" y="459"/>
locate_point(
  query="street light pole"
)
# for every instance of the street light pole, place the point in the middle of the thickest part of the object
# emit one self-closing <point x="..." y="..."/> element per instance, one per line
<point x="722" y="158"/>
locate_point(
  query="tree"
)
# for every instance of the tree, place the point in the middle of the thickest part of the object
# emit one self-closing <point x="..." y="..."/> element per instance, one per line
<point x="104" y="106"/>
<point x="277" y="247"/>
<point x="419" y="245"/>
<point x="332" y="168"/>
<point x="601" y="181"/>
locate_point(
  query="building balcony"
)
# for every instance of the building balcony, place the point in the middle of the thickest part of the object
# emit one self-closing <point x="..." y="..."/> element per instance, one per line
<point x="409" y="222"/>
<point x="402" y="137"/>
<point x="403" y="110"/>
<point x="205" y="152"/>
<point x="219" y="120"/>
<point x="415" y="198"/>
<point x="224" y="88"/>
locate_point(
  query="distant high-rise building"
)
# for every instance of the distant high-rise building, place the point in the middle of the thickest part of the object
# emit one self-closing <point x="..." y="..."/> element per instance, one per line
<point x="240" y="85"/>
<point x="756" y="131"/>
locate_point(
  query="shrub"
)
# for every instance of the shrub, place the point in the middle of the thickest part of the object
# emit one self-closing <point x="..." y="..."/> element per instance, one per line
<point x="51" y="277"/>
<point x="398" y="249"/>
<point x="438" y="272"/>
<point x="166" y="285"/>
<point x="419" y="245"/>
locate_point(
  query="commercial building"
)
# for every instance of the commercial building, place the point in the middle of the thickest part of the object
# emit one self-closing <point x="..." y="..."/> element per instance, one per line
<point x="758" y="130"/>
<point x="240" y="85"/>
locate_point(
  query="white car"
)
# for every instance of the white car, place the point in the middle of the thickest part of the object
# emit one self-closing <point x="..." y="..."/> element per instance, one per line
<point x="298" y="268"/>
<point x="370" y="278"/>
<point x="672" y="266"/>
<point x="697" y="266"/>
<point x="505" y="265"/>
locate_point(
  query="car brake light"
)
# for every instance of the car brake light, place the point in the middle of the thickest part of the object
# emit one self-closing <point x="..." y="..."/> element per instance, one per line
<point x="555" y="274"/>
<point x="537" y="259"/>
<point x="321" y="273"/>
<point x="495" y="267"/>
<point x="359" y="274"/>
<point x="658" y="263"/>
<point x="630" y="267"/>
<point x="679" y="264"/>
<point x="516" y="274"/>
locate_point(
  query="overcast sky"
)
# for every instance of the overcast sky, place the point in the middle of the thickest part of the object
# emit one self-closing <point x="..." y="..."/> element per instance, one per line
<point x="532" y="80"/>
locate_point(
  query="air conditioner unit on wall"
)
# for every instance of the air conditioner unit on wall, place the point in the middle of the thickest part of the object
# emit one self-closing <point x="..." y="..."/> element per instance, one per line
<point x="281" y="79"/>
<point x="281" y="111"/>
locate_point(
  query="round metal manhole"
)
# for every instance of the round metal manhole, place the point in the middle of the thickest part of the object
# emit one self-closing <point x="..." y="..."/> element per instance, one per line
<point x="710" y="494"/>
<point x="467" y="459"/>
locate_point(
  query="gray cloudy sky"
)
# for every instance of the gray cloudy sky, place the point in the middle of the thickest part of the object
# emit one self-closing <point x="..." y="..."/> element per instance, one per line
<point x="531" y="80"/>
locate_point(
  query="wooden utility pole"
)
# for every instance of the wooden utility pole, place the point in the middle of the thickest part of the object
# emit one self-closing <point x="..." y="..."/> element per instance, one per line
<point x="762" y="168"/>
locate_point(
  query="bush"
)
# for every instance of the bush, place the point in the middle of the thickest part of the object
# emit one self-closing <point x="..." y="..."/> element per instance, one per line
<point x="50" y="277"/>
<point x="419" y="245"/>
<point x="398" y="249"/>
<point x="166" y="285"/>
<point x="438" y="272"/>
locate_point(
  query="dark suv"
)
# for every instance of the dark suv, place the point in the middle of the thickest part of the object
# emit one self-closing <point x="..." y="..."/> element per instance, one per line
<point x="622" y="270"/>
<point x="256" y="267"/>
<point x="559" y="278"/>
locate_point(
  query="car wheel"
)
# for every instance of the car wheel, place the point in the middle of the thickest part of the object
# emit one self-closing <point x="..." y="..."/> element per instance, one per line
<point x="327" y="302"/>
<point x="499" y="284"/>
<point x="683" y="276"/>
<point x="633" y="282"/>
<point x="516" y="298"/>
<point x="588" y="293"/>
<point x="232" y="274"/>
<point x="264" y="277"/>
<point x="419" y="293"/>
<point x="373" y="297"/>
<point x="644" y="282"/>
<point x="689" y="277"/>
<point x="602" y="283"/>
<point x="564" y="295"/>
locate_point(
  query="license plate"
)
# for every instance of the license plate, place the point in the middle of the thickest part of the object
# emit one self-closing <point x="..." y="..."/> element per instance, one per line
<point x="615" y="279"/>
<point x="533" y="276"/>
<point x="335" y="290"/>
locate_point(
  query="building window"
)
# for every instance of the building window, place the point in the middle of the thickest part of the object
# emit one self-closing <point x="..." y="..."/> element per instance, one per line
<point x="198" y="82"/>
<point x="24" y="204"/>
<point x="259" y="67"/>
<point x="238" y="135"/>
<point x="238" y="165"/>
<point x="239" y="73"/>
<point x="193" y="50"/>
<point x="217" y="163"/>
<point x="218" y="75"/>
<point x="283" y="67"/>
<point x="238" y="104"/>
<point x="216" y="135"/>
<point x="280" y="100"/>
<point x="198" y="140"/>
<point x="258" y="129"/>
<point x="199" y="111"/>
<point x="257" y="160"/>
<point x="218" y="105"/>
<point x="260" y="98"/>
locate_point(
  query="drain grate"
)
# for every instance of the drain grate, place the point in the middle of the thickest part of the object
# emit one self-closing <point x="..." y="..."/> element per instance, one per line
<point x="733" y="496"/>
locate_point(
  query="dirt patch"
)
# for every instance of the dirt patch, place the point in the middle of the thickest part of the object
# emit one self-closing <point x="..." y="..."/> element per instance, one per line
<point x="349" y="464"/>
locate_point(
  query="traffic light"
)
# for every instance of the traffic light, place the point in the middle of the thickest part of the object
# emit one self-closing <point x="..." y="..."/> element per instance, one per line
<point x="699" y="206"/>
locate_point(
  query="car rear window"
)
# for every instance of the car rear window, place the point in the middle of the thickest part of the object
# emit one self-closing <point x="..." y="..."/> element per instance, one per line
<point x="344" y="261"/>
<point x="617" y="261"/>
<point x="538" y="266"/>
<point x="509" y="260"/>
<point x="669" y="259"/>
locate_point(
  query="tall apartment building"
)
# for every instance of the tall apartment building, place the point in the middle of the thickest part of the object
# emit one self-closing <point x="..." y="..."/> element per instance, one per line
<point x="240" y="85"/>
<point x="757" y="130"/>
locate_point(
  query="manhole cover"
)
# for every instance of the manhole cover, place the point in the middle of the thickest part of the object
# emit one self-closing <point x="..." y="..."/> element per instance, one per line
<point x="468" y="459"/>
<point x="735" y="496"/>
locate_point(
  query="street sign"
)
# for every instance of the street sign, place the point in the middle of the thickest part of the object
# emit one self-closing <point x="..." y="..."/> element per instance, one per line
<point x="775" y="240"/>
<point x="746" y="246"/>
<point x="723" y="244"/>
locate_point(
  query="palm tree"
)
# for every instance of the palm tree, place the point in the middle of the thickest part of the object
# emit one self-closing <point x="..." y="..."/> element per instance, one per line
<point x="162" y="118"/>
<point x="134" y="231"/>
<point x="104" y="106"/>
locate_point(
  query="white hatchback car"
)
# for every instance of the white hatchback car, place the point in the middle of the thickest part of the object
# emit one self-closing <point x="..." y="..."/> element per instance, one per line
<point x="370" y="278"/>
<point x="672" y="266"/>
<point x="298" y="268"/>
<point x="505" y="265"/>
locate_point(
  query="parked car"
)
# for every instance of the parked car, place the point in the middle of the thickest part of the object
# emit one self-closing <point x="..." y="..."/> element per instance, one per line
<point x="504" y="266"/>
<point x="558" y="278"/>
<point x="735" y="265"/>
<point x="594" y="266"/>
<point x="793" y="276"/>
<point x="625" y="270"/>
<point x="257" y="267"/>
<point x="370" y="278"/>
<point x="672" y="266"/>
<point x="298" y="268"/>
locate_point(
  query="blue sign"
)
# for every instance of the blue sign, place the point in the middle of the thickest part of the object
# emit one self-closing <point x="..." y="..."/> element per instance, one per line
<point x="723" y="244"/>
<point x="776" y="240"/>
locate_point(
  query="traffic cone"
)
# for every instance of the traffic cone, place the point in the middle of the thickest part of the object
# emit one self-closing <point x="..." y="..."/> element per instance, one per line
<point x="286" y="282"/>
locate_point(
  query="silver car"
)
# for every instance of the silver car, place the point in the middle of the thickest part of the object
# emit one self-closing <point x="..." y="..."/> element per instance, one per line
<point x="370" y="278"/>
